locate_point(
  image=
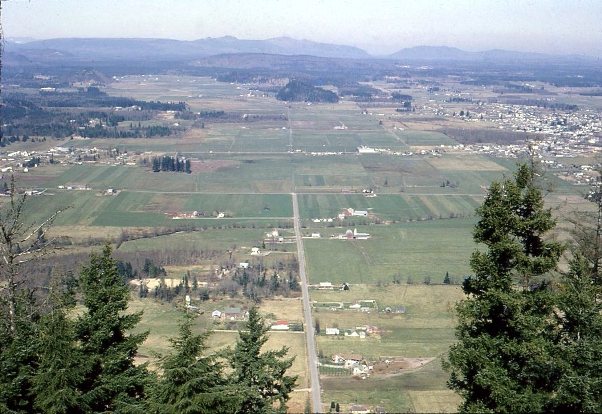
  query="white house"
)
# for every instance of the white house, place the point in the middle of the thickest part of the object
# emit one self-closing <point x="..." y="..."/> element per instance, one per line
<point x="243" y="265"/>
<point x="325" y="285"/>
<point x="332" y="331"/>
<point x="360" y="213"/>
<point x="255" y="251"/>
<point x="216" y="314"/>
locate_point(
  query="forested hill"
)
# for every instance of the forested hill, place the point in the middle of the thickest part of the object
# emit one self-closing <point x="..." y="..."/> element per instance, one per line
<point x="297" y="91"/>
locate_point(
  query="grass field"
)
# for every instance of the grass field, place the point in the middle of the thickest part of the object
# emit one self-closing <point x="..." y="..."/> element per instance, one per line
<point x="418" y="249"/>
<point x="389" y="206"/>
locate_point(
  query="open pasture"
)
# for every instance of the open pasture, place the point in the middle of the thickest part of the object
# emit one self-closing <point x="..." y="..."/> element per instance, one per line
<point x="240" y="240"/>
<point x="447" y="174"/>
<point x="422" y="138"/>
<point x="419" y="391"/>
<point x="103" y="176"/>
<point x="175" y="88"/>
<point x="389" y="206"/>
<point x="417" y="250"/>
<point x="188" y="142"/>
<point x="246" y="137"/>
<point x="149" y="209"/>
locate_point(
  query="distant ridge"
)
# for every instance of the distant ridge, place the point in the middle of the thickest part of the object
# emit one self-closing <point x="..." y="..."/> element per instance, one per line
<point x="446" y="53"/>
<point x="139" y="49"/>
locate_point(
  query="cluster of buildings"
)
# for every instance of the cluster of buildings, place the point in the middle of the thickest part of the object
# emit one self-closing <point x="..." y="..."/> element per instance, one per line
<point x="351" y="235"/>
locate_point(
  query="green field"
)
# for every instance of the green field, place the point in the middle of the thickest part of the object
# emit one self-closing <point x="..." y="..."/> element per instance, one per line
<point x="388" y="206"/>
<point x="419" y="249"/>
<point x="148" y="209"/>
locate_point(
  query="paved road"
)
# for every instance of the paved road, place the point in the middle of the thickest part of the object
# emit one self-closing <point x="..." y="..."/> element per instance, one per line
<point x="312" y="356"/>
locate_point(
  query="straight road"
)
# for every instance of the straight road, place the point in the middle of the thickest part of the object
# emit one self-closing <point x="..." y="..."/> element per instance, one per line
<point x="312" y="356"/>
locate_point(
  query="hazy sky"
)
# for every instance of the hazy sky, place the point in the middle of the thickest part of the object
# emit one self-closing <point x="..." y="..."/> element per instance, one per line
<point x="379" y="26"/>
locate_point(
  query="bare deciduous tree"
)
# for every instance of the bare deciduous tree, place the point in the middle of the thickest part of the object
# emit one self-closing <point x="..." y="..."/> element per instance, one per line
<point x="19" y="242"/>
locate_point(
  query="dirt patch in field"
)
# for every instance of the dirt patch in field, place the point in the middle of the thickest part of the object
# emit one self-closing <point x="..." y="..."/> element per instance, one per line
<point x="470" y="164"/>
<point x="212" y="165"/>
<point x="387" y="368"/>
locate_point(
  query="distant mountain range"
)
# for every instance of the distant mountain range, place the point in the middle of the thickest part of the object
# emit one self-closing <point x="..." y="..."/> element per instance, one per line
<point x="136" y="49"/>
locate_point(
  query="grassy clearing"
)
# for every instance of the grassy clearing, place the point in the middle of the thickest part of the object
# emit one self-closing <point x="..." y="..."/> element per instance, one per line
<point x="289" y="309"/>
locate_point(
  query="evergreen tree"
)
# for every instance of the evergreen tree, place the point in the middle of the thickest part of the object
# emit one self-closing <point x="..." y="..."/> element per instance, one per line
<point x="191" y="382"/>
<point x="260" y="377"/>
<point x="59" y="373"/>
<point x="503" y="359"/>
<point x="111" y="380"/>
<point x="579" y="341"/>
<point x="18" y="356"/>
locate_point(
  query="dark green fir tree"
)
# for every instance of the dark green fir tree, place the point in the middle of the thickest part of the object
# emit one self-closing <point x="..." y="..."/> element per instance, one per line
<point x="260" y="377"/>
<point x="112" y="382"/>
<point x="504" y="358"/>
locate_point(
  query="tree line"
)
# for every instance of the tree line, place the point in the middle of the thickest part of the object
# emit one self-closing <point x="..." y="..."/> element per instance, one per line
<point x="171" y="163"/>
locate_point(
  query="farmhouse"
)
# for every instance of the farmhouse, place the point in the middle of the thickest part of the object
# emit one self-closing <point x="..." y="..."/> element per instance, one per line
<point x="243" y="265"/>
<point x="361" y="371"/>
<point x="360" y="236"/>
<point x="332" y="331"/>
<point x="348" y="359"/>
<point x="280" y="326"/>
<point x="255" y="251"/>
<point x="354" y="235"/>
<point x="352" y="361"/>
<point x="233" y="314"/>
<point x="325" y="286"/>
<point x="359" y="409"/>
<point x="216" y="314"/>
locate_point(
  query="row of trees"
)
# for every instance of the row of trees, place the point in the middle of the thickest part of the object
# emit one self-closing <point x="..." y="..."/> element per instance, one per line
<point x="53" y="362"/>
<point x="528" y="342"/>
<point x="170" y="163"/>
